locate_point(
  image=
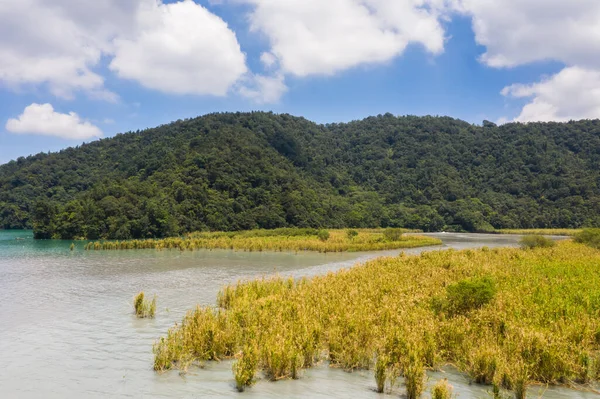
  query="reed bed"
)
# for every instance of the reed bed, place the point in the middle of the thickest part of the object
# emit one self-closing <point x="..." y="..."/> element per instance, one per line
<point x="535" y="318"/>
<point x="543" y="232"/>
<point x="281" y="240"/>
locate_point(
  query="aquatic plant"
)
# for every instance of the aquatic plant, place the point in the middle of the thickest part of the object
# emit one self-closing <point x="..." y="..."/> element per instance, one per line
<point x="143" y="307"/>
<point x="293" y="240"/>
<point x="536" y="241"/>
<point x="244" y="368"/>
<point x="508" y="317"/>
<point x="441" y="390"/>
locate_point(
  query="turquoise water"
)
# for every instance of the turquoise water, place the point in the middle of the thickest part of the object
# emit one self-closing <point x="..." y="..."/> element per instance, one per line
<point x="68" y="330"/>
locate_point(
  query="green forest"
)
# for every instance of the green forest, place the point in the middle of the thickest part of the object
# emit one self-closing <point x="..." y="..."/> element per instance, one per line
<point x="243" y="171"/>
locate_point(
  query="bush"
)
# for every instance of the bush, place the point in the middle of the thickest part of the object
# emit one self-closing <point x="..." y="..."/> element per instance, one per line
<point x="468" y="295"/>
<point x="392" y="234"/>
<point x="143" y="308"/>
<point x="589" y="237"/>
<point x="323" y="235"/>
<point x="351" y="234"/>
<point x="536" y="241"/>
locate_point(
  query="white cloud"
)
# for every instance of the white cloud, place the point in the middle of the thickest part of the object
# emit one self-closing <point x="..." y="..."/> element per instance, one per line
<point x="324" y="37"/>
<point x="517" y="32"/>
<point x="573" y="93"/>
<point x="264" y="89"/>
<point x="43" y="120"/>
<point x="180" y="48"/>
<point x="59" y="44"/>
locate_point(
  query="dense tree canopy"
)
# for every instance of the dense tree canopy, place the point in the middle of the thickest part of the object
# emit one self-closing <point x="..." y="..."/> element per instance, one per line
<point x="261" y="170"/>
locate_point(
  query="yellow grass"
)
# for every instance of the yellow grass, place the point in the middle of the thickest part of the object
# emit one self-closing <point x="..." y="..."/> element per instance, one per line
<point x="293" y="240"/>
<point x="537" y="321"/>
<point x="546" y="232"/>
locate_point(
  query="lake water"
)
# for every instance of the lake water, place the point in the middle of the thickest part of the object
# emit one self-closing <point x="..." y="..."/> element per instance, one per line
<point x="67" y="329"/>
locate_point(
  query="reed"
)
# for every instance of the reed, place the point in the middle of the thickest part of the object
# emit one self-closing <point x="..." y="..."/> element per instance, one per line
<point x="441" y="390"/>
<point x="509" y="318"/>
<point x="536" y="241"/>
<point x="143" y="307"/>
<point x="291" y="240"/>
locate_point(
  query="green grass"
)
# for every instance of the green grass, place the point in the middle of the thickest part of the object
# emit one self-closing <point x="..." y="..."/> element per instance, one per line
<point x="543" y="232"/>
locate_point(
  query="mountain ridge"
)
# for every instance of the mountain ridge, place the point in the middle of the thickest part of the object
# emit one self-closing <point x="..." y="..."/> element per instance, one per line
<point x="231" y="171"/>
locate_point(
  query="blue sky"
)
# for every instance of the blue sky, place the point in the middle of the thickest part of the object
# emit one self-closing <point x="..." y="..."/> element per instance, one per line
<point x="72" y="79"/>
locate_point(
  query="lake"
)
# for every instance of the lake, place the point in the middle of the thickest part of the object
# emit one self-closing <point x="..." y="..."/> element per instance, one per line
<point x="68" y="329"/>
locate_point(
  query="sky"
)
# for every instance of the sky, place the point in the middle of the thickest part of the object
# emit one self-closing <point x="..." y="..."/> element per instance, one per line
<point x="76" y="71"/>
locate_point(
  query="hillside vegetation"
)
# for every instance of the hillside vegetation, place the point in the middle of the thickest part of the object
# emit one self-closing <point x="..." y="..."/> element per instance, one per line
<point x="245" y="171"/>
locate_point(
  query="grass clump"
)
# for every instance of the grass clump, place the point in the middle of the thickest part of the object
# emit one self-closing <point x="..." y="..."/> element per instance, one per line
<point x="279" y="240"/>
<point x="441" y="390"/>
<point x="244" y="368"/>
<point x="589" y="237"/>
<point x="510" y="318"/>
<point x="540" y="232"/>
<point x="143" y="307"/>
<point x="536" y="241"/>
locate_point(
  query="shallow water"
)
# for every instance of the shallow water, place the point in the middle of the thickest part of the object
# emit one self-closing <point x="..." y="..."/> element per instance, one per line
<point x="67" y="328"/>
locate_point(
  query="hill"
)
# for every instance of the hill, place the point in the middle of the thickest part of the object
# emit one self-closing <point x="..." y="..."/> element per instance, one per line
<point x="240" y="171"/>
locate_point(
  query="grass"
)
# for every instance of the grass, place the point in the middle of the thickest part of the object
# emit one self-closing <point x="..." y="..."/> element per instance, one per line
<point x="279" y="240"/>
<point x="441" y="390"/>
<point x="543" y="232"/>
<point x="143" y="307"/>
<point x="535" y="319"/>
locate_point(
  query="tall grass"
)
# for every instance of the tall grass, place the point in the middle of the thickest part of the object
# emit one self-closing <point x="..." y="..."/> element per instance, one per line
<point x="536" y="241"/>
<point x="293" y="240"/>
<point x="523" y="317"/>
<point x="143" y="307"/>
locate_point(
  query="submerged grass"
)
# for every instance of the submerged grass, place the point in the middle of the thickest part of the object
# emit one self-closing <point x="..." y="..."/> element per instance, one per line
<point x="515" y="317"/>
<point x="281" y="240"/>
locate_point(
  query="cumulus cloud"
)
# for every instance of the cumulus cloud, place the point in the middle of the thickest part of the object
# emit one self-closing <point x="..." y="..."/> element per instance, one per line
<point x="43" y="120"/>
<point x="180" y="48"/>
<point x="519" y="32"/>
<point x="309" y="37"/>
<point x="573" y="93"/>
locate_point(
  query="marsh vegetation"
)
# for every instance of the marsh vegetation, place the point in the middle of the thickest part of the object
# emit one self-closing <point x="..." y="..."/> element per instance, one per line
<point x="286" y="239"/>
<point x="143" y="307"/>
<point x="506" y="317"/>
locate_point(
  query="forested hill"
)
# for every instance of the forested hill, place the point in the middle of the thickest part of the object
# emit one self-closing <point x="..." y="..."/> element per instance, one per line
<point x="261" y="170"/>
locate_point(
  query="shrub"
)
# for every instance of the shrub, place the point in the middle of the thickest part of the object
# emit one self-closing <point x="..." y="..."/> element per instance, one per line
<point x="323" y="235"/>
<point x="467" y="295"/>
<point x="536" y="241"/>
<point x="144" y="308"/>
<point x="351" y="234"/>
<point x="392" y="234"/>
<point x="589" y="237"/>
<point x="441" y="390"/>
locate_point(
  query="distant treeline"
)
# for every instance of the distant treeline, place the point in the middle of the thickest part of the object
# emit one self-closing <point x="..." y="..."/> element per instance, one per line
<point x="242" y="171"/>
